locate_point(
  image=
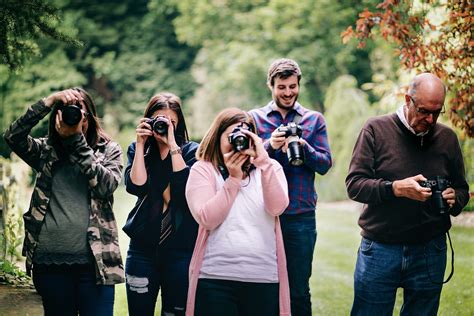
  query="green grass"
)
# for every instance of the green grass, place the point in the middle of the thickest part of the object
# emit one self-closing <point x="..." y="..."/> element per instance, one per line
<point x="334" y="261"/>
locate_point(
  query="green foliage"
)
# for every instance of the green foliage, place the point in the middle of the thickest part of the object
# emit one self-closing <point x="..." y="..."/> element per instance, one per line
<point x="347" y="108"/>
<point x="11" y="274"/>
<point x="11" y="224"/>
<point x="250" y="34"/>
<point x="22" y="24"/>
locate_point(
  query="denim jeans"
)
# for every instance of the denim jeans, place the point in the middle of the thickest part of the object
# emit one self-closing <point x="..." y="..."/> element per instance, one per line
<point x="233" y="298"/>
<point x="72" y="289"/>
<point x="299" y="236"/>
<point x="147" y="273"/>
<point x="382" y="268"/>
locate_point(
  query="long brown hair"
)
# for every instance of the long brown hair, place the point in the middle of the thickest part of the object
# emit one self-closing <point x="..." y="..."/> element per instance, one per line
<point x="94" y="133"/>
<point x="210" y="147"/>
<point x="168" y="100"/>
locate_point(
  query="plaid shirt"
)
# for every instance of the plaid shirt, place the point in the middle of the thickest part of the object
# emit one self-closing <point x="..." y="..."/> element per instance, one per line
<point x="300" y="179"/>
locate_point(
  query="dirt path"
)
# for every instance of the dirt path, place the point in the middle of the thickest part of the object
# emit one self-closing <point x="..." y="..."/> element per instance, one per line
<point x="19" y="301"/>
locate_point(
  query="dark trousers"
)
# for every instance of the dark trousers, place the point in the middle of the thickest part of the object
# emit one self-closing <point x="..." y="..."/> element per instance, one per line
<point x="382" y="268"/>
<point x="233" y="298"/>
<point x="147" y="273"/>
<point x="72" y="289"/>
<point x="299" y="237"/>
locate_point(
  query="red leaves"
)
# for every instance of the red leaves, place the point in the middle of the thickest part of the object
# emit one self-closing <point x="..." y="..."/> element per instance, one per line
<point x="447" y="53"/>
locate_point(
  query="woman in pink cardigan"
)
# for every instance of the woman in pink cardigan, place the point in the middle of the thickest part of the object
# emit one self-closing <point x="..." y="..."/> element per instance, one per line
<point x="236" y="192"/>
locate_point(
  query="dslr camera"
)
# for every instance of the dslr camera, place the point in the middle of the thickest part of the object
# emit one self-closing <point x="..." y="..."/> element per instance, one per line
<point x="437" y="186"/>
<point x="72" y="114"/>
<point x="239" y="140"/>
<point x="295" y="150"/>
<point x="159" y="124"/>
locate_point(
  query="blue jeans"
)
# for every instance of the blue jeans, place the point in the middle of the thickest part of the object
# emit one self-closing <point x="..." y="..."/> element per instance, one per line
<point x="72" y="289"/>
<point x="382" y="268"/>
<point x="299" y="236"/>
<point x="233" y="298"/>
<point x="147" y="273"/>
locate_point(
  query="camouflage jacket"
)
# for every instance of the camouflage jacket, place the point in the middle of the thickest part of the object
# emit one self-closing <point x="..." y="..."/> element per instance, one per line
<point x="102" y="165"/>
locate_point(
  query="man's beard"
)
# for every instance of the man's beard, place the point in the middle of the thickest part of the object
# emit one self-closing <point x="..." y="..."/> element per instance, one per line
<point x="286" y="107"/>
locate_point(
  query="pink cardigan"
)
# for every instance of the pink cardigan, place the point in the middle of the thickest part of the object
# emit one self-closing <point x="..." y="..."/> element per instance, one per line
<point x="210" y="208"/>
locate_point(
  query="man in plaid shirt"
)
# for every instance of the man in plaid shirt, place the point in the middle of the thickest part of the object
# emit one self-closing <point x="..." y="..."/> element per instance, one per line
<point x="298" y="221"/>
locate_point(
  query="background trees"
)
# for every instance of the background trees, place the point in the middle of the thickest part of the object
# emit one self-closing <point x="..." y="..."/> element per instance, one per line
<point x="434" y="36"/>
<point x="215" y="54"/>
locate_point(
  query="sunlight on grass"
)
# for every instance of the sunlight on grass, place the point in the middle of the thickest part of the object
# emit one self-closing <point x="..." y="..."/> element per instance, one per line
<point x="334" y="262"/>
<point x="333" y="266"/>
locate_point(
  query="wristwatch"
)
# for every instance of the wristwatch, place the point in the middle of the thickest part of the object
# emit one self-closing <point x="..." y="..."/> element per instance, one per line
<point x="176" y="151"/>
<point x="389" y="189"/>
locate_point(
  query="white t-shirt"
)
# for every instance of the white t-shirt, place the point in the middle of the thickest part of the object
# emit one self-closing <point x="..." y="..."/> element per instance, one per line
<point x="243" y="247"/>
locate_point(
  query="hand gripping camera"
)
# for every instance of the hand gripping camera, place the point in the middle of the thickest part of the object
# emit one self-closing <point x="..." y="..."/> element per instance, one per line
<point x="295" y="151"/>
<point x="71" y="114"/>
<point x="239" y="140"/>
<point x="159" y="124"/>
<point x="437" y="186"/>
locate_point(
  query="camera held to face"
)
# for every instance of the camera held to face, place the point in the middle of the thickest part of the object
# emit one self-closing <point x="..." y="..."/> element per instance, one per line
<point x="295" y="150"/>
<point x="71" y="114"/>
<point x="437" y="186"/>
<point x="159" y="124"/>
<point x="239" y="140"/>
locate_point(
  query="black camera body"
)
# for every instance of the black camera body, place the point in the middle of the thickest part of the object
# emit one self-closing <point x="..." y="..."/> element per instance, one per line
<point x="239" y="140"/>
<point x="437" y="186"/>
<point x="159" y="124"/>
<point x="71" y="114"/>
<point x="295" y="150"/>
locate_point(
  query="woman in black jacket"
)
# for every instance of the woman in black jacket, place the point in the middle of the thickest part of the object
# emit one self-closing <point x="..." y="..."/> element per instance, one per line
<point x="162" y="231"/>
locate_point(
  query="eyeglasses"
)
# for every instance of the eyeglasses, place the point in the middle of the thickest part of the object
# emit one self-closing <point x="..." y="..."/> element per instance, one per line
<point x="425" y="112"/>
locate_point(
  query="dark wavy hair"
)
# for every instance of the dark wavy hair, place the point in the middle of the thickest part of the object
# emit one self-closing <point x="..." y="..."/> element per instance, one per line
<point x="94" y="133"/>
<point x="168" y="100"/>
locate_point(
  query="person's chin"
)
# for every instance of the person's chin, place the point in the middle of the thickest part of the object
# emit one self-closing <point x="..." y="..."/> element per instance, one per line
<point x="286" y="104"/>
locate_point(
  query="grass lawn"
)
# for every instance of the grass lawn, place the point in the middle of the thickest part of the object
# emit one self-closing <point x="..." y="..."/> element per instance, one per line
<point x="333" y="265"/>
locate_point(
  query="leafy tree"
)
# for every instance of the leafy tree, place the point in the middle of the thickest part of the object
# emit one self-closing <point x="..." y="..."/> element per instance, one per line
<point x="434" y="36"/>
<point x="240" y="38"/>
<point x="347" y="109"/>
<point x="22" y="24"/>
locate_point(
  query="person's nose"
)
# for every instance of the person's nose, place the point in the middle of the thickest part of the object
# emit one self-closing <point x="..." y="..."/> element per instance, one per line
<point x="430" y="118"/>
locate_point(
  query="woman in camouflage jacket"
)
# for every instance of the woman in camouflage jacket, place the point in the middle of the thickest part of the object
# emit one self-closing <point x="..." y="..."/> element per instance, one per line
<point x="71" y="237"/>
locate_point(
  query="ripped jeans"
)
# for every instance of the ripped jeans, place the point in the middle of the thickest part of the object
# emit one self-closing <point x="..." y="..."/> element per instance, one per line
<point x="147" y="273"/>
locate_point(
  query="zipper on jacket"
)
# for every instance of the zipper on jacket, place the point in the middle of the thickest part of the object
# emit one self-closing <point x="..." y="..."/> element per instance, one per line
<point x="422" y="137"/>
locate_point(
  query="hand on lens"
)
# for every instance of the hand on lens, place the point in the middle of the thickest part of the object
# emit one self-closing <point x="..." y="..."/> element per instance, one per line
<point x="233" y="161"/>
<point x="68" y="96"/>
<point x="143" y="130"/>
<point x="450" y="196"/>
<point x="410" y="188"/>
<point x="169" y="139"/>
<point x="256" y="145"/>
<point x="277" y="139"/>
<point x="64" y="130"/>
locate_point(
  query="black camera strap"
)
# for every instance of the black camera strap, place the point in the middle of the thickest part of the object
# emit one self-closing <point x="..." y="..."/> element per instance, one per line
<point x="452" y="263"/>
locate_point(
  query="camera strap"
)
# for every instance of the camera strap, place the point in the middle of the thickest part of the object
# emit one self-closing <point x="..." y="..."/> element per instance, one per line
<point x="452" y="263"/>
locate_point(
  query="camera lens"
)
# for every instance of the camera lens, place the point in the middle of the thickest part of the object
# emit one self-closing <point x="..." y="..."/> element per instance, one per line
<point x="71" y="115"/>
<point x="295" y="152"/>
<point x="160" y="125"/>
<point x="239" y="140"/>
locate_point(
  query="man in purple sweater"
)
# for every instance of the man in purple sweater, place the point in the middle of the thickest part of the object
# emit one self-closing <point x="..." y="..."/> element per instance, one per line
<point x="403" y="228"/>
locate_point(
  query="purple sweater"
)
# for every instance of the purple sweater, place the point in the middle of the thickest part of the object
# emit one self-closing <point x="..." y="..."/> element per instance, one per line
<point x="387" y="150"/>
